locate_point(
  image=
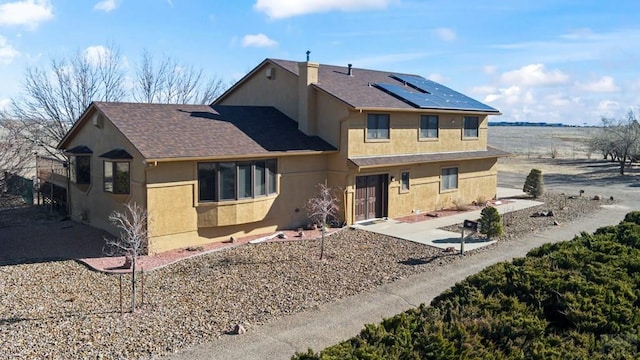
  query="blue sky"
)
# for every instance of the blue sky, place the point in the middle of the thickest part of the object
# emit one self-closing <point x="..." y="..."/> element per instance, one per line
<point x="546" y="60"/>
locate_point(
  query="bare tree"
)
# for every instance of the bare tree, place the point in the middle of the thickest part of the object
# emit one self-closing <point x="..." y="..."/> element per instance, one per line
<point x="619" y="139"/>
<point x="16" y="152"/>
<point x="321" y="208"/>
<point x="133" y="240"/>
<point x="55" y="97"/>
<point x="166" y="81"/>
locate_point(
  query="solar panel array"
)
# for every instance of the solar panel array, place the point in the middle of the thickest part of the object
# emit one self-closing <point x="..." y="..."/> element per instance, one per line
<point x="426" y="94"/>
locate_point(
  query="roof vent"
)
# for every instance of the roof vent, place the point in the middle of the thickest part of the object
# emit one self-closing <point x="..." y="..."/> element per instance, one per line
<point x="349" y="70"/>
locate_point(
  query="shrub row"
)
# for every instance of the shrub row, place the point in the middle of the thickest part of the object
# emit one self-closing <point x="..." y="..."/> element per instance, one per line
<point x="577" y="299"/>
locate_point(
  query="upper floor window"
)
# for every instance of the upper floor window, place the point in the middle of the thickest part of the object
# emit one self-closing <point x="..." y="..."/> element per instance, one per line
<point x="236" y="180"/>
<point x="116" y="177"/>
<point x="377" y="126"/>
<point x="470" y="125"/>
<point x="449" y="179"/>
<point x="428" y="126"/>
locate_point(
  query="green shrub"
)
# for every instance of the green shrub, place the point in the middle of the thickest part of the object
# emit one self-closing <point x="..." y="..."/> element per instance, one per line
<point x="576" y="299"/>
<point x="490" y="222"/>
<point x="534" y="184"/>
<point x="633" y="217"/>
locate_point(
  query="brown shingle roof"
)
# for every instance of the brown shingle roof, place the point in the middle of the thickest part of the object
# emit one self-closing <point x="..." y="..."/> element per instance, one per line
<point x="373" y="161"/>
<point x="356" y="90"/>
<point x="163" y="131"/>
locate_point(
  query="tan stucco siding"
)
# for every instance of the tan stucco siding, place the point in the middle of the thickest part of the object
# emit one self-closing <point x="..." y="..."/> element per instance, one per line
<point x="279" y="91"/>
<point x="171" y="209"/>
<point x="90" y="203"/>
<point x="330" y="112"/>
<point x="477" y="179"/>
<point x="178" y="219"/>
<point x="405" y="131"/>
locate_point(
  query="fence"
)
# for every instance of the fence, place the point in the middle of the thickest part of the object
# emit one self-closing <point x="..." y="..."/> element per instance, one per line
<point x="51" y="183"/>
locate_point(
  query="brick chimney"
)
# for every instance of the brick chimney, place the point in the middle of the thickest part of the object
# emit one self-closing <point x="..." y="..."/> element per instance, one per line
<point x="308" y="74"/>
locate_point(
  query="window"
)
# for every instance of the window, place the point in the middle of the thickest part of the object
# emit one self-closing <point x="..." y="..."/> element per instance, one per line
<point x="236" y="180"/>
<point x="261" y="180"/>
<point x="245" y="183"/>
<point x="449" y="179"/>
<point x="207" y="181"/>
<point x="428" y="126"/>
<point x="81" y="170"/>
<point x="116" y="177"/>
<point x="470" y="124"/>
<point x="404" y="181"/>
<point x="272" y="172"/>
<point x="377" y="126"/>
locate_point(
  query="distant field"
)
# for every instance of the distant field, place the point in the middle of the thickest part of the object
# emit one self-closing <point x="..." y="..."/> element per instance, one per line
<point x="540" y="142"/>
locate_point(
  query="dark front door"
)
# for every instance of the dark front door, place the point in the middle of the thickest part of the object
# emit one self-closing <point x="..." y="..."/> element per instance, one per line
<point x="370" y="197"/>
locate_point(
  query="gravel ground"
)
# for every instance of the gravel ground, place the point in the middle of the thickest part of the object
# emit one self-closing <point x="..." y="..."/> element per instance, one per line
<point x="62" y="310"/>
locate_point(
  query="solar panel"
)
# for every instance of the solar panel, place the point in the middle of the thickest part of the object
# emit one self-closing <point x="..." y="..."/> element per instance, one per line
<point x="426" y="94"/>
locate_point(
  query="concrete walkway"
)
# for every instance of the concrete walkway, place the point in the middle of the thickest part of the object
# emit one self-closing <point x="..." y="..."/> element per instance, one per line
<point x="429" y="232"/>
<point x="338" y="321"/>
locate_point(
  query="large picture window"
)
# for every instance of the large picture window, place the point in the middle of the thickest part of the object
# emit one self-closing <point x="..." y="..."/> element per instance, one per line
<point x="470" y="124"/>
<point x="378" y="126"/>
<point x="428" y="126"/>
<point x="116" y="177"/>
<point x="449" y="179"/>
<point x="236" y="180"/>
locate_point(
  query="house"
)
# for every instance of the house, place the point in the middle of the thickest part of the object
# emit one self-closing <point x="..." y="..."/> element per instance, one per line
<point x="393" y="144"/>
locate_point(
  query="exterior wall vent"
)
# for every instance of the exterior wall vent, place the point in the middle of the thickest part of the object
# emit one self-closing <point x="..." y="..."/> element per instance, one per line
<point x="270" y="73"/>
<point x="96" y="120"/>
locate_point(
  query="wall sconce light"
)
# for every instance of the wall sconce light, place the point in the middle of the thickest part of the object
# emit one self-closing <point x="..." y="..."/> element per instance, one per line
<point x="392" y="178"/>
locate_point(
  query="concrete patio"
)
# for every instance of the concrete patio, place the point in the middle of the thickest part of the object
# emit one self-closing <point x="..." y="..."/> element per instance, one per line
<point x="429" y="231"/>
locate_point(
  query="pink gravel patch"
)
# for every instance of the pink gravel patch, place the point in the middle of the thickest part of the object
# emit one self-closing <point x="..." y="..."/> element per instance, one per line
<point x="151" y="262"/>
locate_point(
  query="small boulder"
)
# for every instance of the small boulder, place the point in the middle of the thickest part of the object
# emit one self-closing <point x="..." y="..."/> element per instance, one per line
<point x="282" y="236"/>
<point x="556" y="223"/>
<point x="239" y="329"/>
<point x="596" y="197"/>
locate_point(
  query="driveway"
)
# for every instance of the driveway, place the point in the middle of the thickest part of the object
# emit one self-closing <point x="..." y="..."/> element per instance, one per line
<point x="32" y="234"/>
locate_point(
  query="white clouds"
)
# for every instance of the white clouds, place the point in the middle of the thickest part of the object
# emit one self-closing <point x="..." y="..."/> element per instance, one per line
<point x="608" y="107"/>
<point x="258" y="40"/>
<point x="4" y="104"/>
<point x="7" y="52"/>
<point x="280" y="9"/>
<point x="26" y="13"/>
<point x="534" y="75"/>
<point x="511" y="95"/>
<point x="445" y="34"/>
<point x="96" y="54"/>
<point x="106" y="5"/>
<point x="436" y="77"/>
<point x="605" y="84"/>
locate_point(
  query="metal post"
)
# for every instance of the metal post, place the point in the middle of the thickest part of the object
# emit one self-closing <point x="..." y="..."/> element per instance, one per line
<point x="142" y="286"/>
<point x="462" y="242"/>
<point x="121" y="310"/>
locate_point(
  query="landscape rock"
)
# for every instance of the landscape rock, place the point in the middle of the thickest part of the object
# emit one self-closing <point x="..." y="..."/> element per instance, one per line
<point x="239" y="329"/>
<point x="61" y="307"/>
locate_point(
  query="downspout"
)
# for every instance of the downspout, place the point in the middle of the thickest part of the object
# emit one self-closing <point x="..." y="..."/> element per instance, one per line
<point x="344" y="203"/>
